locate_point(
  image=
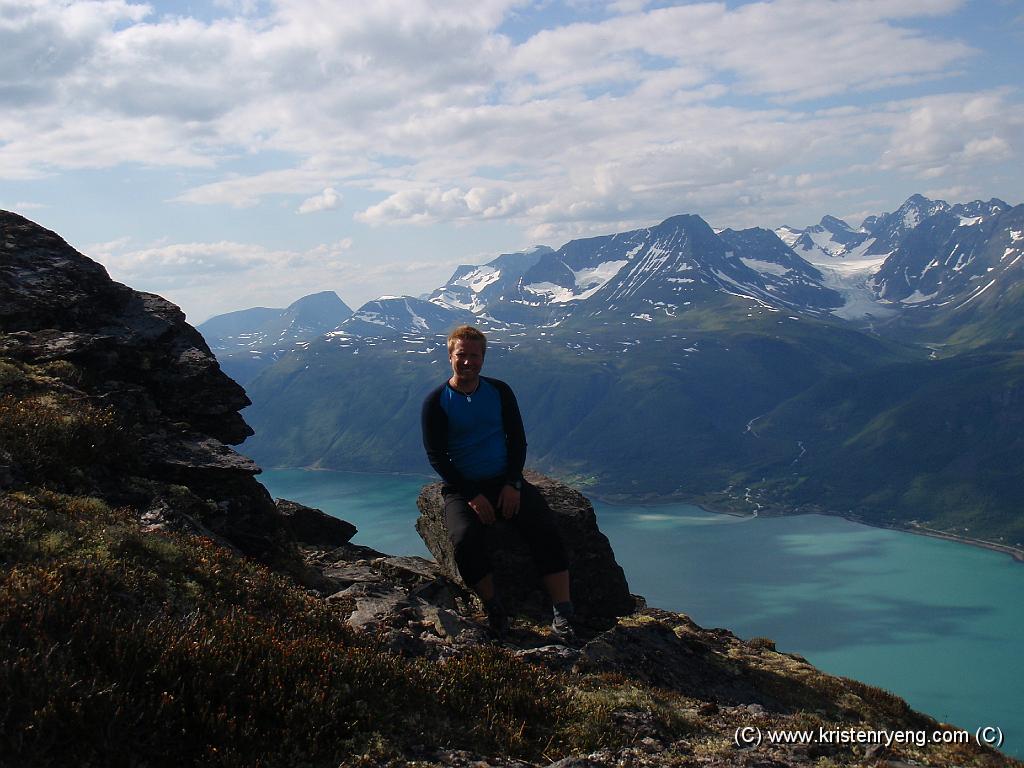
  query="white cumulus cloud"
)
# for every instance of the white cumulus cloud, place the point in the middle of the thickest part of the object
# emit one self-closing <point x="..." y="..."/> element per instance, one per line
<point x="327" y="200"/>
<point x="207" y="277"/>
<point x="426" y="205"/>
<point x="432" y="111"/>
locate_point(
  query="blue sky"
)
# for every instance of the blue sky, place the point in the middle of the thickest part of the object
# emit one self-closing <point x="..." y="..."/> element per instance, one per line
<point x="237" y="153"/>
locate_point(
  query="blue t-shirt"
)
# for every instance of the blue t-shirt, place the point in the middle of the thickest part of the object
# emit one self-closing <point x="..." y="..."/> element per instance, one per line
<point x="476" y="434"/>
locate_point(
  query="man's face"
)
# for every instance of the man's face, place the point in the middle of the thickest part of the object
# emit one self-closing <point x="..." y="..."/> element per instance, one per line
<point x="467" y="358"/>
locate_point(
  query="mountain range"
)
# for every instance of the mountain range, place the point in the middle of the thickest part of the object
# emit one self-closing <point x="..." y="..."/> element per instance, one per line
<point x="248" y="340"/>
<point x="874" y="372"/>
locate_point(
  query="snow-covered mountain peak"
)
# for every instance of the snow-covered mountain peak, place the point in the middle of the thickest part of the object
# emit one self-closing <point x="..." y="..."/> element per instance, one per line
<point x="954" y="258"/>
<point x="787" y="234"/>
<point x="831" y="240"/>
<point x="391" y="315"/>
<point x="973" y="212"/>
<point x="472" y="288"/>
<point x="834" y="225"/>
<point x="926" y="254"/>
<point x="889" y="229"/>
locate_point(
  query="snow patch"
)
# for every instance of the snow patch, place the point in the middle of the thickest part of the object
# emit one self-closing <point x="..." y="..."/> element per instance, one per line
<point x="592" y="277"/>
<point x="479" y="278"/>
<point x="788" y="235"/>
<point x="370" y="317"/>
<point x="739" y="286"/>
<point x="917" y="297"/>
<point x="448" y="301"/>
<point x="765" y="267"/>
<point x="552" y="292"/>
<point x="963" y="260"/>
<point x="975" y="295"/>
<point x="417" y="321"/>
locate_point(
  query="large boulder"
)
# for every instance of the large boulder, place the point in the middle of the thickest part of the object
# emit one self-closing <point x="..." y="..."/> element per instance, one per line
<point x="598" y="584"/>
<point x="314" y="527"/>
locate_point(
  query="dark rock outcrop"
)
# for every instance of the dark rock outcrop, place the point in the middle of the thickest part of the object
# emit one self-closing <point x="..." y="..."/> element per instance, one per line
<point x="134" y="353"/>
<point x="56" y="303"/>
<point x="314" y="527"/>
<point x="598" y="584"/>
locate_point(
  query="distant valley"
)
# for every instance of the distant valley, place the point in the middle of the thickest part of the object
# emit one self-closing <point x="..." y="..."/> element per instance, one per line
<point x="874" y="372"/>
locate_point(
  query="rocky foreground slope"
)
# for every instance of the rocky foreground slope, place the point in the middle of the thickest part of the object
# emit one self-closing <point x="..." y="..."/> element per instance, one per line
<point x="157" y="607"/>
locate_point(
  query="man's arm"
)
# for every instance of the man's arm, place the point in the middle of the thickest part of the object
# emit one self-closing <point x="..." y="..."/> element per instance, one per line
<point x="434" y="423"/>
<point x="515" y="433"/>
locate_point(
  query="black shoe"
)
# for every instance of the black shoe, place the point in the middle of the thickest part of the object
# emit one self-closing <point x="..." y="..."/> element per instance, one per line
<point x="562" y="629"/>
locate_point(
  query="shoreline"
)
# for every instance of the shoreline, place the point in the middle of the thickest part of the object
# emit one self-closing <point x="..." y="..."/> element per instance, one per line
<point x="1015" y="553"/>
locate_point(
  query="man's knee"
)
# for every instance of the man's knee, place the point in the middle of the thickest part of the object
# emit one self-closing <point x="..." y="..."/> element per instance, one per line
<point x="459" y="518"/>
<point x="466" y="545"/>
<point x="466" y="533"/>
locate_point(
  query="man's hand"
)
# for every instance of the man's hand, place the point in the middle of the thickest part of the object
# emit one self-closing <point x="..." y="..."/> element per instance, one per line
<point x="483" y="509"/>
<point x="508" y="501"/>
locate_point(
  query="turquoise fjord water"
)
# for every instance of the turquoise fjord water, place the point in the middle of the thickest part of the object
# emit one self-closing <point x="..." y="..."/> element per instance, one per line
<point x="934" y="621"/>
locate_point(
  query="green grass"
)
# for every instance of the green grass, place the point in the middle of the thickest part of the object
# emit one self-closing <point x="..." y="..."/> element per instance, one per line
<point x="59" y="438"/>
<point x="54" y="435"/>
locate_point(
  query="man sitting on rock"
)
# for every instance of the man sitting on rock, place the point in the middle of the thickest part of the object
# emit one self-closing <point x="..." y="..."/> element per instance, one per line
<point x="474" y="437"/>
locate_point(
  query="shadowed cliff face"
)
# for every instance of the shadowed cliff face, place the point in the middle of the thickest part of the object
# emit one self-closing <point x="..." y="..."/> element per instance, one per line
<point x="56" y="303"/>
<point x="73" y="337"/>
